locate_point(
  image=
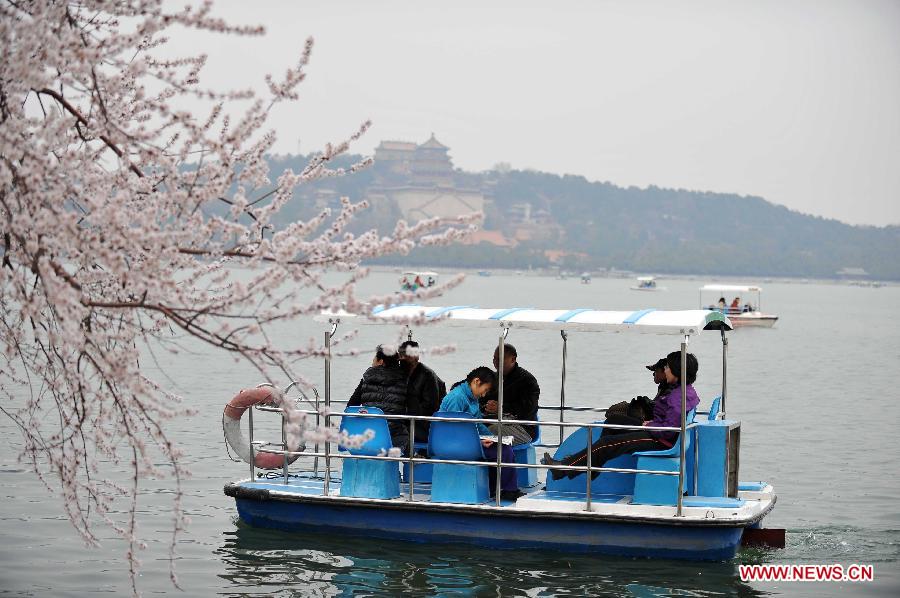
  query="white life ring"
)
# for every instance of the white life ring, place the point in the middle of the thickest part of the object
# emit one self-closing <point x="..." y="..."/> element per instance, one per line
<point x="231" y="423"/>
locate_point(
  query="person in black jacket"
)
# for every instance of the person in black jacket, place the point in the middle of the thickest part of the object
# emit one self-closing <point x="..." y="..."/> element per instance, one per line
<point x="384" y="386"/>
<point x="424" y="387"/>
<point x="520" y="397"/>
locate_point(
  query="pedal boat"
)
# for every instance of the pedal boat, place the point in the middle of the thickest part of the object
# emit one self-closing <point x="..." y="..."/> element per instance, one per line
<point x="739" y="319"/>
<point x="683" y="503"/>
<point x="647" y="283"/>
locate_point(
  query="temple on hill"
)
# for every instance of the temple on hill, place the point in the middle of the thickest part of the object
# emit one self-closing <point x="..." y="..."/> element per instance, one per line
<point x="427" y="164"/>
<point x="431" y="164"/>
<point x="420" y="179"/>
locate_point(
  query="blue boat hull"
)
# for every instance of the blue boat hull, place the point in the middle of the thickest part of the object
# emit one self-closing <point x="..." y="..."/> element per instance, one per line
<point x="639" y="539"/>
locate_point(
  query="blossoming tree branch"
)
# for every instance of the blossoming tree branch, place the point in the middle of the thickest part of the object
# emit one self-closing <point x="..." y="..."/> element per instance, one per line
<point x="122" y="216"/>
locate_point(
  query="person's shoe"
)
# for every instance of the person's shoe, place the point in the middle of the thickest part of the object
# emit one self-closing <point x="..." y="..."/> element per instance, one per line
<point x="512" y="495"/>
<point x="556" y="473"/>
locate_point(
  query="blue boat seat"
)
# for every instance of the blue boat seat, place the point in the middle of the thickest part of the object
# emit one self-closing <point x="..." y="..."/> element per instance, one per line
<point x="423" y="470"/>
<point x="365" y="478"/>
<point x="526" y="477"/>
<point x="714" y="408"/>
<point x="651" y="489"/>
<point x="715" y="502"/>
<point x="606" y="483"/>
<point x="453" y="483"/>
<point x="523" y="453"/>
<point x="752" y="486"/>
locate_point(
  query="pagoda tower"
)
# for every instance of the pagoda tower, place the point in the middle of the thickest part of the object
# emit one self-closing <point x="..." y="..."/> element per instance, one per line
<point x="431" y="165"/>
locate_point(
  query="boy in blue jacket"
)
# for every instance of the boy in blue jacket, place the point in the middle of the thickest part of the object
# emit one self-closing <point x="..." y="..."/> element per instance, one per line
<point x="464" y="398"/>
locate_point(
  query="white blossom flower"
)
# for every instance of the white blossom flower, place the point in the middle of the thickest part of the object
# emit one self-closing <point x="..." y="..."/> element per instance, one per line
<point x="109" y="241"/>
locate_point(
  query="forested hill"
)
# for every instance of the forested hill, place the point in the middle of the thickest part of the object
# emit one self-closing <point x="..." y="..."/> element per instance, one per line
<point x="679" y="231"/>
<point x="600" y="225"/>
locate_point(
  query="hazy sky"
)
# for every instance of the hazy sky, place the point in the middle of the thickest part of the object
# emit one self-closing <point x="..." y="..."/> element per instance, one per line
<point x="794" y="101"/>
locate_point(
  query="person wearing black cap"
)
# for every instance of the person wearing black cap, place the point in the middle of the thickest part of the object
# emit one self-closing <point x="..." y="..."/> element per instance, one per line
<point x="659" y="377"/>
<point x="640" y="408"/>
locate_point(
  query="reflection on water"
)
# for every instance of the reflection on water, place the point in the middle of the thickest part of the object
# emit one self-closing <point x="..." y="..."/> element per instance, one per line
<point x="257" y="561"/>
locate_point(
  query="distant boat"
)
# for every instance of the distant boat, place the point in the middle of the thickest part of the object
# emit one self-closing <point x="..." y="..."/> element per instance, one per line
<point x="874" y="284"/>
<point x="742" y="311"/>
<point x="647" y="283"/>
<point x="413" y="281"/>
<point x="484" y="273"/>
<point x="585" y="278"/>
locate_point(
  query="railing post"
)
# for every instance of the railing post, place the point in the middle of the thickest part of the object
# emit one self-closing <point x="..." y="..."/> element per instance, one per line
<point x="682" y="438"/>
<point x="562" y="386"/>
<point x="284" y="439"/>
<point x="696" y="446"/>
<point x="318" y="424"/>
<point x="590" y="445"/>
<point x="412" y="452"/>
<point x="252" y="456"/>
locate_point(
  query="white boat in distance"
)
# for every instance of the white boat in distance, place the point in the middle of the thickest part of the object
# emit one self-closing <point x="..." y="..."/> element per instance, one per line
<point x="740" y="310"/>
<point x="647" y="283"/>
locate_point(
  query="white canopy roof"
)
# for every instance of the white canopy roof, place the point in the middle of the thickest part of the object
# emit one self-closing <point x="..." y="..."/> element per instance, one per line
<point x="646" y="278"/>
<point x="737" y="288"/>
<point x="644" y="320"/>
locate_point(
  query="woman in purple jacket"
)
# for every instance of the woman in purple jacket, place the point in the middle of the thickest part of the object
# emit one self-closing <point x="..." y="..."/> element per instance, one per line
<point x="666" y="414"/>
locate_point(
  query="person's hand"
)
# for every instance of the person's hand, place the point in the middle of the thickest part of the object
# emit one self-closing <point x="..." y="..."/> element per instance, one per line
<point x="490" y="407"/>
<point x="486" y="443"/>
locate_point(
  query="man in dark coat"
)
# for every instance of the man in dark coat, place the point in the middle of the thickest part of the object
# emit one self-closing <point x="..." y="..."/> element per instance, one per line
<point x="424" y="387"/>
<point x="384" y="386"/>
<point x="521" y="393"/>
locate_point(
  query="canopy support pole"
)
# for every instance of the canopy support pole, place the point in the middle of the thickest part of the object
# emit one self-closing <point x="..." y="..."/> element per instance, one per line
<point x="500" y="358"/>
<point x="562" y="385"/>
<point x="328" y="335"/>
<point x="724" y="374"/>
<point x="681" y="439"/>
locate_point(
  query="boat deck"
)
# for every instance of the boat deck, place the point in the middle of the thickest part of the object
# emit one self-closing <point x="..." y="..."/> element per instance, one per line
<point x="751" y="504"/>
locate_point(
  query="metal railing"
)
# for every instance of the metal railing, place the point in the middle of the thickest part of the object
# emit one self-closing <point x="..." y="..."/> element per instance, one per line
<point x="411" y="459"/>
<point x="560" y="425"/>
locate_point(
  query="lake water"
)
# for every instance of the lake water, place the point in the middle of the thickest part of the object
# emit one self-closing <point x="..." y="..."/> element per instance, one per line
<point x="817" y="396"/>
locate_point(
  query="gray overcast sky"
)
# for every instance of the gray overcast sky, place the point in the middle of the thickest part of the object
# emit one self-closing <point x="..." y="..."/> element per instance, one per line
<point x="795" y="101"/>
